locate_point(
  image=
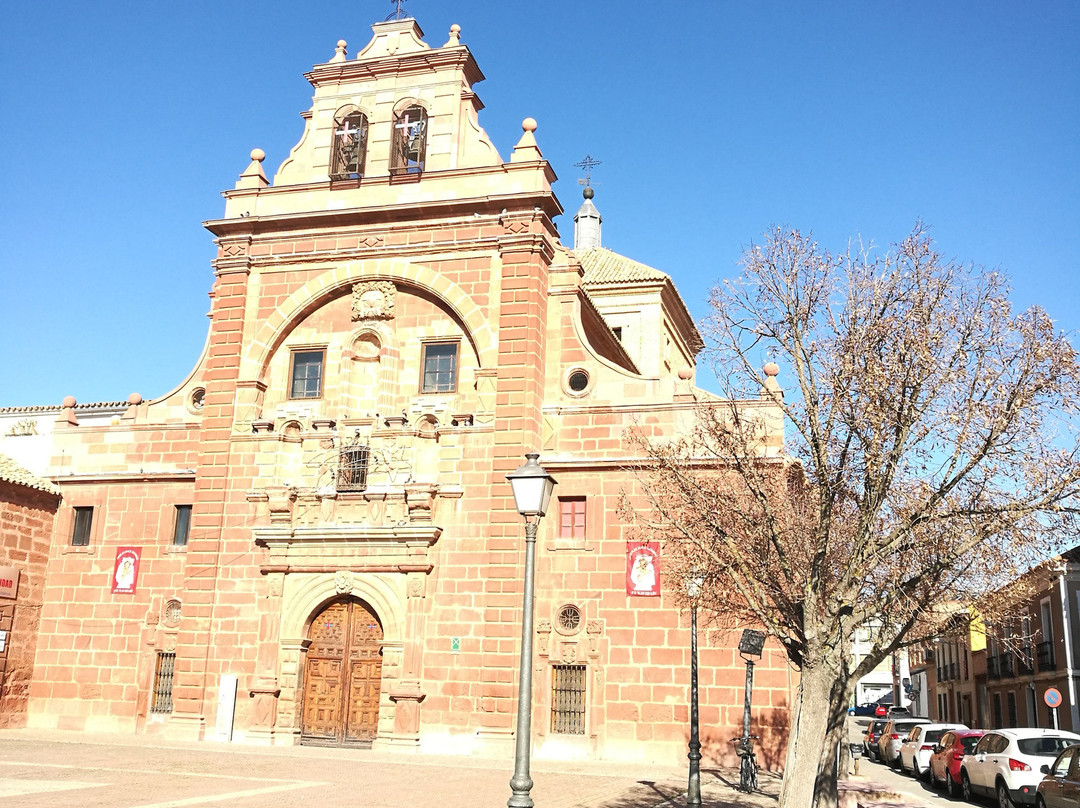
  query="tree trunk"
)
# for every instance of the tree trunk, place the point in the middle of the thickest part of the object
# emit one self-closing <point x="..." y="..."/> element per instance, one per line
<point x="818" y="727"/>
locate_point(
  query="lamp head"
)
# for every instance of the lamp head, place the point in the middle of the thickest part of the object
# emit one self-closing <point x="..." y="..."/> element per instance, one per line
<point x="532" y="487"/>
<point x="752" y="642"/>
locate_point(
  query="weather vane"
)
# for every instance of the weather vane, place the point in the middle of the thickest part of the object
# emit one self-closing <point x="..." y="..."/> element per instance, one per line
<point x="587" y="165"/>
<point x="399" y="12"/>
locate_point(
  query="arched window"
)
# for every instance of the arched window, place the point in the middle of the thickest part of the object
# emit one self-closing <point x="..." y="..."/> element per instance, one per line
<point x="409" y="141"/>
<point x="350" y="146"/>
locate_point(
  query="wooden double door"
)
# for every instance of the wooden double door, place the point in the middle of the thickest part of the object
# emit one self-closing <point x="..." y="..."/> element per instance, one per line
<point x="343" y="676"/>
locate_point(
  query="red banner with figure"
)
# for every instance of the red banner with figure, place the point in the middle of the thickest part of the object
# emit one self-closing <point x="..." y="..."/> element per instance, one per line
<point x="643" y="569"/>
<point x="125" y="570"/>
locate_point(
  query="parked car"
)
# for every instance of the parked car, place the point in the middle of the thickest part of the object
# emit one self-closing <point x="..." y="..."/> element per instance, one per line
<point x="1060" y="788"/>
<point x="898" y="712"/>
<point x="916" y="750"/>
<point x="894" y="734"/>
<point x="948" y="754"/>
<point x="870" y="737"/>
<point x="1008" y="762"/>
<point x="871" y="708"/>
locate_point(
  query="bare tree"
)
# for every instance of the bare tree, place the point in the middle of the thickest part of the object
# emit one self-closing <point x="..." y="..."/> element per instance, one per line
<point x="929" y="459"/>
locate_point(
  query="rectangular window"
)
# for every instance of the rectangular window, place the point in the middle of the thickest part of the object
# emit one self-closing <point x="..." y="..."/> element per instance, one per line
<point x="996" y="701"/>
<point x="307" y="374"/>
<point x="80" y="536"/>
<point x="568" y="699"/>
<point x="440" y="367"/>
<point x="571" y="517"/>
<point x="182" y="526"/>
<point x="352" y="468"/>
<point x="1010" y="700"/>
<point x="163" y="679"/>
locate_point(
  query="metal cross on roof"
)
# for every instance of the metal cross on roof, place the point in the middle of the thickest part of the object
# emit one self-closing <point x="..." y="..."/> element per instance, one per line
<point x="399" y="12"/>
<point x="587" y="165"/>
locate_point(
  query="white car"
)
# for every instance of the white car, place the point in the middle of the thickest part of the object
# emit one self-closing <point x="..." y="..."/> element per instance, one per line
<point x="893" y="735"/>
<point x="1006" y="763"/>
<point x="916" y="750"/>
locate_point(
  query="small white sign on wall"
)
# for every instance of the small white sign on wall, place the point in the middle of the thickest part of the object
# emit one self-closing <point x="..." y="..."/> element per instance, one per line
<point x="226" y="707"/>
<point x="3" y="641"/>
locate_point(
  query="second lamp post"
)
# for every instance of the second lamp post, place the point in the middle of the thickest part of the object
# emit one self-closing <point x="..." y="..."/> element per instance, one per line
<point x="532" y="487"/>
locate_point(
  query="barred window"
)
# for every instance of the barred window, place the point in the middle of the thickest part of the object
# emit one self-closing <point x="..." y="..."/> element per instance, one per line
<point x="352" y="468"/>
<point x="409" y="141"/>
<point x="163" y="681"/>
<point x="350" y="146"/>
<point x="568" y="699"/>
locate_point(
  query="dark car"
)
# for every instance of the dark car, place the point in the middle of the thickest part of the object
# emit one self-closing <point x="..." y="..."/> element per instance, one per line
<point x="871" y="708"/>
<point x="947" y="756"/>
<point x="1060" y="788"/>
<point x="870" y="737"/>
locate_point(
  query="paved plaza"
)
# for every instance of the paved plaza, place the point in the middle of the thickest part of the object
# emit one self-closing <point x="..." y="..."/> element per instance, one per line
<point x="50" y="770"/>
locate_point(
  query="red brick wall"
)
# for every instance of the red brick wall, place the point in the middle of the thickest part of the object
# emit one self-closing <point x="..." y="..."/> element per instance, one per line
<point x="26" y="524"/>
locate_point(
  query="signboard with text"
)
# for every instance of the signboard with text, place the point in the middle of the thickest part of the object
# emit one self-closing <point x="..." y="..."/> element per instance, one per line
<point x="9" y="582"/>
<point x="125" y="570"/>
<point x="643" y="569"/>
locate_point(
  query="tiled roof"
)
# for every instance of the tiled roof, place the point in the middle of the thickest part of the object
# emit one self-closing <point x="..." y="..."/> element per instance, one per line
<point x="603" y="266"/>
<point x="12" y="472"/>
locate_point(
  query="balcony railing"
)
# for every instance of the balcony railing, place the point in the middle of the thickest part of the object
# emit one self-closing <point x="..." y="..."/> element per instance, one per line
<point x="1000" y="666"/>
<point x="1045" y="656"/>
<point x="1025" y="662"/>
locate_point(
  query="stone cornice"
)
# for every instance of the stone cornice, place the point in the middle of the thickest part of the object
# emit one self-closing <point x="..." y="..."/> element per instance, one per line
<point x="419" y="63"/>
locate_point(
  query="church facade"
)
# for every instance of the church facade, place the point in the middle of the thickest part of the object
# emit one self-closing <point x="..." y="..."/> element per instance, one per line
<point x="312" y="539"/>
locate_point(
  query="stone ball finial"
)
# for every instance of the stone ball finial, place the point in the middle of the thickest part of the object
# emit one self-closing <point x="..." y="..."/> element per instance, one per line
<point x="528" y="125"/>
<point x="771" y="369"/>
<point x="69" y="401"/>
<point x="134" y="399"/>
<point x="588" y="192"/>
<point x="342" y="44"/>
<point x="258" y="155"/>
<point x="685" y="374"/>
<point x="455" y="29"/>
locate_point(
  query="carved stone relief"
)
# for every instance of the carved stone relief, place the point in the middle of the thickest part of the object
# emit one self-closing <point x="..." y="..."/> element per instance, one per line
<point x="373" y="300"/>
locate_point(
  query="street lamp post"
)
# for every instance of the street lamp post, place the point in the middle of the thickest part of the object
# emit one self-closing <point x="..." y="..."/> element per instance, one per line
<point x="693" y="788"/>
<point x="532" y="487"/>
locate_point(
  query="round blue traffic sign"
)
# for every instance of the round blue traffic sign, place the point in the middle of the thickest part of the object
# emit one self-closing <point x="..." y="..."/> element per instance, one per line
<point x="1052" y="697"/>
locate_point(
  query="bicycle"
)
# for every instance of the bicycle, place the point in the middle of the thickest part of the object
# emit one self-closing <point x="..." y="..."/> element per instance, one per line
<point x="748" y="768"/>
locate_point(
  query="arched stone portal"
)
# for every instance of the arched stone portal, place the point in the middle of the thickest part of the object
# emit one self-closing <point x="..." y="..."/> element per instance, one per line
<point x="342" y="676"/>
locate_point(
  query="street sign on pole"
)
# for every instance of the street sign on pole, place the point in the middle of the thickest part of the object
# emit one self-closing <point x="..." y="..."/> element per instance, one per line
<point x="1052" y="697"/>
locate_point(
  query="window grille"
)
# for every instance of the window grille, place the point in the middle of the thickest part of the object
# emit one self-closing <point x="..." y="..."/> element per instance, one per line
<point x="163" y="680"/>
<point x="568" y="699"/>
<point x="569" y="618"/>
<point x="80" y="536"/>
<point x="350" y="146"/>
<point x="410" y="141"/>
<point x="352" y="468"/>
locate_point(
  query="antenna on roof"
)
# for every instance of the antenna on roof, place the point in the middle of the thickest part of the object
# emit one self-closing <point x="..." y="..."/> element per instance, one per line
<point x="587" y="165"/>
<point x="399" y="12"/>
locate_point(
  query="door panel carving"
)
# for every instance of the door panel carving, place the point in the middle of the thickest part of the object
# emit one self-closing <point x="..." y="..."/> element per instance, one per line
<point x="343" y="677"/>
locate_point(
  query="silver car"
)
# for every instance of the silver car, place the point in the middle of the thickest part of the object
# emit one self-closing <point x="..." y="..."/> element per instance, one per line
<point x="894" y="734"/>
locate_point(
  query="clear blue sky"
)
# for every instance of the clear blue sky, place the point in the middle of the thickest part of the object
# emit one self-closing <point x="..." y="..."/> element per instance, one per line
<point x="714" y="120"/>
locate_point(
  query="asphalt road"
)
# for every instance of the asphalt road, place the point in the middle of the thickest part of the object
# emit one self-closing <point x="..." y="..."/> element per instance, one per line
<point x="881" y="773"/>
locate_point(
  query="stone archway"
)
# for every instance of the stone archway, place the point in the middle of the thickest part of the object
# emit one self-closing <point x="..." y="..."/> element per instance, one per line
<point x="343" y="676"/>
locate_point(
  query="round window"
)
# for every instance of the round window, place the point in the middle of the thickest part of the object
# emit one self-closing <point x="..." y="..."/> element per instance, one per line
<point x="197" y="399"/>
<point x="569" y="619"/>
<point x="172" y="613"/>
<point x="578" y="381"/>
